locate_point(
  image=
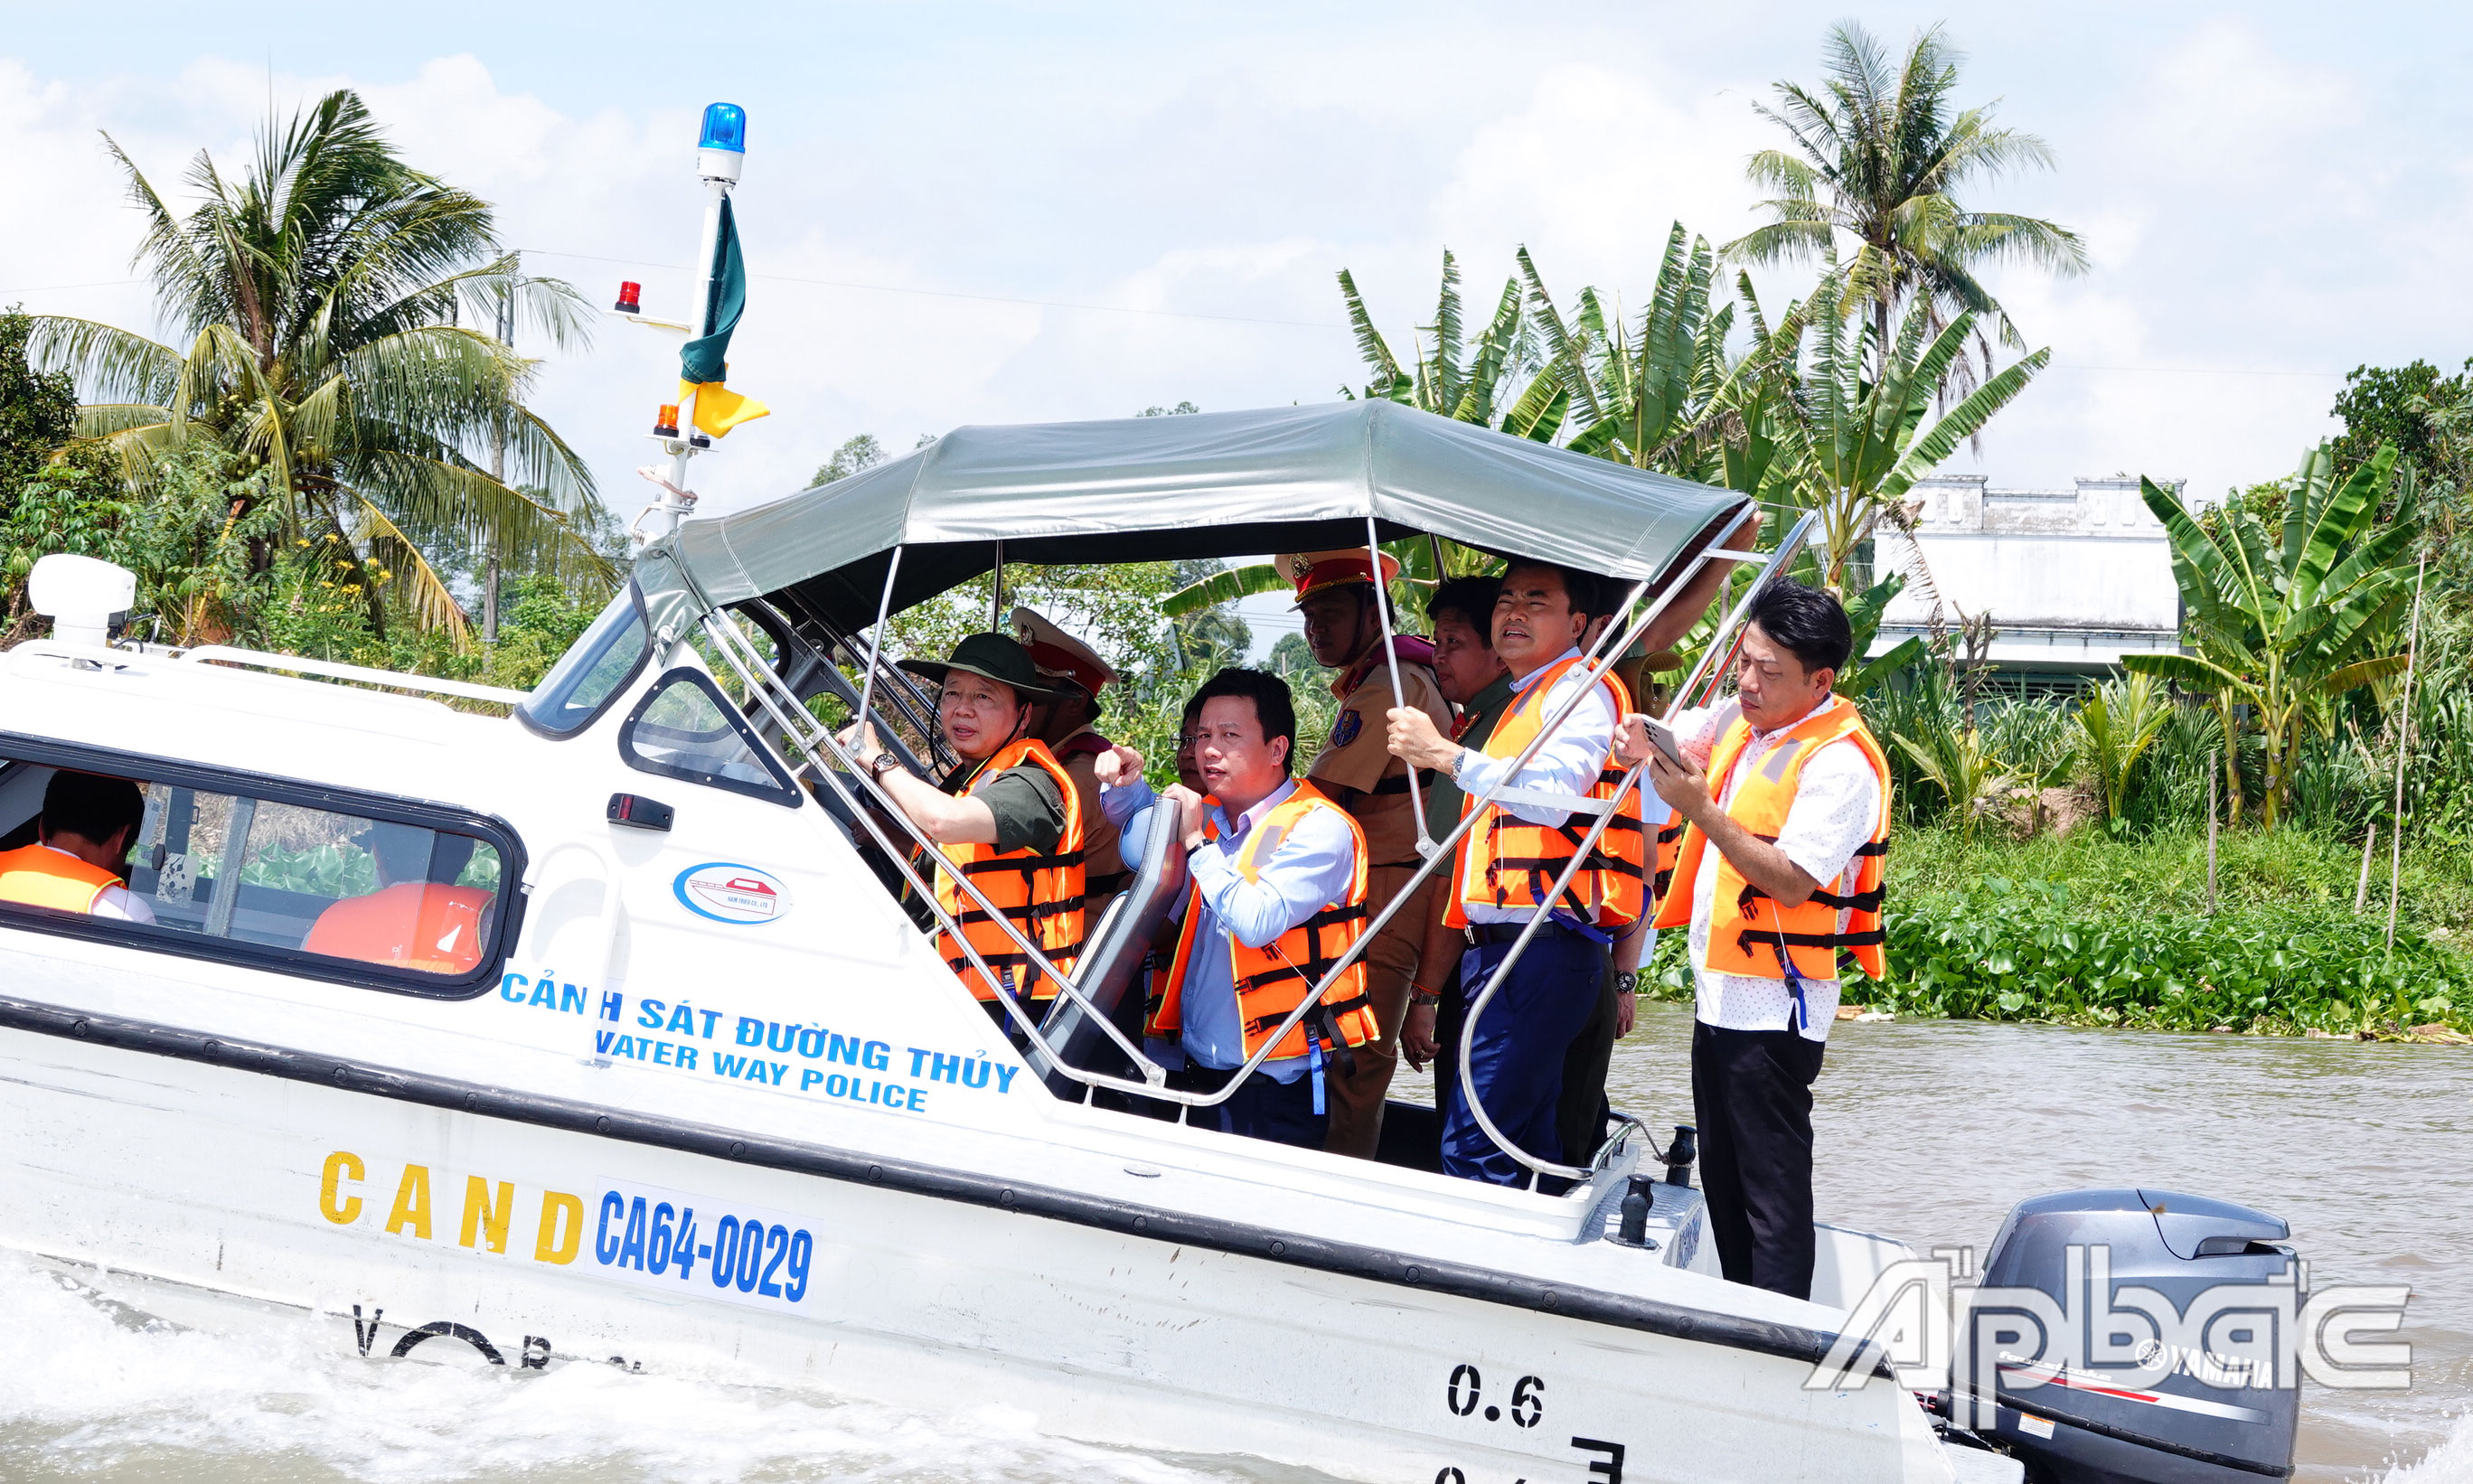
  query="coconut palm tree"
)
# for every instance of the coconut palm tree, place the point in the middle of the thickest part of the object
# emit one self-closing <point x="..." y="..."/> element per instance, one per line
<point x="317" y="296"/>
<point x="1884" y="155"/>
<point x="1863" y="438"/>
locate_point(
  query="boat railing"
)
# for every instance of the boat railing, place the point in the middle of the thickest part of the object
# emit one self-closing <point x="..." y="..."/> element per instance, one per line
<point x="336" y="670"/>
<point x="815" y="750"/>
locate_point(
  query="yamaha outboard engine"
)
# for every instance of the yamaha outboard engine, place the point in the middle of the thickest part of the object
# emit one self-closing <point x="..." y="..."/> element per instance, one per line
<point x="2136" y="1337"/>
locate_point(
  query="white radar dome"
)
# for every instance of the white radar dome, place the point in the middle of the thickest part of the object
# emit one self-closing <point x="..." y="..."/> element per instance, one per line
<point x="79" y="596"/>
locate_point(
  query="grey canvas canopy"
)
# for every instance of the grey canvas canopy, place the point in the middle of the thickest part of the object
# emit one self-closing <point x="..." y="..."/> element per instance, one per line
<point x="1160" y="488"/>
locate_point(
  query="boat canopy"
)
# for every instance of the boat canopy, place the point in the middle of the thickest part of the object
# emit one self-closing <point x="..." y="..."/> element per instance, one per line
<point x="1160" y="488"/>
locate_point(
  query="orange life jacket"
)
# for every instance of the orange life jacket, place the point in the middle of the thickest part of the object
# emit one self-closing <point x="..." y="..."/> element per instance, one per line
<point x="1272" y="980"/>
<point x="1041" y="893"/>
<point x="1505" y="861"/>
<point x="38" y="875"/>
<point x="1747" y="932"/>
<point x="1670" y="842"/>
<point x="410" y="925"/>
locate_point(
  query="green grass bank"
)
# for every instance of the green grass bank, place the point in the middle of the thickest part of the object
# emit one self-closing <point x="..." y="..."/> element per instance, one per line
<point x="2091" y="930"/>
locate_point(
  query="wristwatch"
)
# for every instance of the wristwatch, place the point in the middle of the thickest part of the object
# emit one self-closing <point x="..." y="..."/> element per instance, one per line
<point x="882" y="765"/>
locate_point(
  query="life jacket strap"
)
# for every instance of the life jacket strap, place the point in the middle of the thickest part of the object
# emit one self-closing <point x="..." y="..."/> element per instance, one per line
<point x="1750" y="937"/>
<point x="1025" y="864"/>
<point x="1860" y="901"/>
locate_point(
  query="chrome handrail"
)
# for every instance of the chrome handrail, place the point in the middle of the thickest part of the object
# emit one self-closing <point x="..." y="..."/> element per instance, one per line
<point x="817" y="742"/>
<point x="1786" y="553"/>
<point x="808" y="732"/>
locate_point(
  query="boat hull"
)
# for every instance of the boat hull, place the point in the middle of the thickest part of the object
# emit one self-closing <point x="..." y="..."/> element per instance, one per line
<point x="415" y="1229"/>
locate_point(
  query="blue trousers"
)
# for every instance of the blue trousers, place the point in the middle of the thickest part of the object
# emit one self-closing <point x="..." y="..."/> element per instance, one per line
<point x="1516" y="1065"/>
<point x="1264" y="1108"/>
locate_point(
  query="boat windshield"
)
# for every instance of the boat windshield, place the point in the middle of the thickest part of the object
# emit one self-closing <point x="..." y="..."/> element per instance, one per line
<point x="592" y="673"/>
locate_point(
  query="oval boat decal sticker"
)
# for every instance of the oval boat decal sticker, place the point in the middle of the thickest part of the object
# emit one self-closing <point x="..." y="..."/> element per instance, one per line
<point x="729" y="893"/>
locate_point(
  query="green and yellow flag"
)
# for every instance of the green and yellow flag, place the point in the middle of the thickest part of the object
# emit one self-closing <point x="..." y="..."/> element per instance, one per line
<point x="703" y="364"/>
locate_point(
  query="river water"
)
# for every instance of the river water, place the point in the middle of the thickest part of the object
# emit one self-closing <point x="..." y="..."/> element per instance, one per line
<point x="1927" y="1130"/>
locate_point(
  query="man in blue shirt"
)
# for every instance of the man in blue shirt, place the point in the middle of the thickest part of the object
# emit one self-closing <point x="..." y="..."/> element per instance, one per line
<point x="1279" y="893"/>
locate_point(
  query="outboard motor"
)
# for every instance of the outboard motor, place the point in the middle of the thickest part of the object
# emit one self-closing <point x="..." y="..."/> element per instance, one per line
<point x="2136" y="1337"/>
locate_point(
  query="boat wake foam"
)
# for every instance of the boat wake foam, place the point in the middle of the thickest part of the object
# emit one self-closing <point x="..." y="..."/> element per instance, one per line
<point x="97" y="1390"/>
<point x="2451" y="1462"/>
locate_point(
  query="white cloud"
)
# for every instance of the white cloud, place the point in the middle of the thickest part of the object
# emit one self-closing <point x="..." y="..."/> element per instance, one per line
<point x="2252" y="201"/>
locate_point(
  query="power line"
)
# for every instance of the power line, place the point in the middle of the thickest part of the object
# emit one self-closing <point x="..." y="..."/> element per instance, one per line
<point x="984" y="299"/>
<point x="2197" y="370"/>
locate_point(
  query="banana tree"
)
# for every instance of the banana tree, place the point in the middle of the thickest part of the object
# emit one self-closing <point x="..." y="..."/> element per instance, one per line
<point x="1864" y="614"/>
<point x="1866" y="438"/>
<point x="1464" y="382"/>
<point x="2282" y="625"/>
<point x="1647" y="392"/>
<point x="1455" y="379"/>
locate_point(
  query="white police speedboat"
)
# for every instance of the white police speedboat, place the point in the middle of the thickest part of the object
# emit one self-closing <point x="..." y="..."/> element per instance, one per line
<point x="697" y="1095"/>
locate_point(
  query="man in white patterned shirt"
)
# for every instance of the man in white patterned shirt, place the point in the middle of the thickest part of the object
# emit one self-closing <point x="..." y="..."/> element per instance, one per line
<point x="1798" y="814"/>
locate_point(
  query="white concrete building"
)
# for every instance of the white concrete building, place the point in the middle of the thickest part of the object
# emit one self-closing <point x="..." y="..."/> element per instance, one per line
<point x="2074" y="579"/>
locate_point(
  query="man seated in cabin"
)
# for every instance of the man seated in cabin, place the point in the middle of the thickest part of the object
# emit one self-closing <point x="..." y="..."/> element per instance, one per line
<point x="1007" y="817"/>
<point x="418" y="918"/>
<point x="1075" y="674"/>
<point x="1337" y="595"/>
<point x="1278" y="898"/>
<point x="80" y="848"/>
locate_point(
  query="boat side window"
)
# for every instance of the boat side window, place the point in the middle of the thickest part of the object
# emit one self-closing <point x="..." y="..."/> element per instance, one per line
<point x="593" y="671"/>
<point x="685" y="728"/>
<point x="336" y="889"/>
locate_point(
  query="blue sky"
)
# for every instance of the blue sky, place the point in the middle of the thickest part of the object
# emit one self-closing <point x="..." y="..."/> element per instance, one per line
<point x="2271" y="194"/>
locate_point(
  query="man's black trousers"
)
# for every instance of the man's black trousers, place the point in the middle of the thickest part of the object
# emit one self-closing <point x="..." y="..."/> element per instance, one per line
<point x="1752" y="1093"/>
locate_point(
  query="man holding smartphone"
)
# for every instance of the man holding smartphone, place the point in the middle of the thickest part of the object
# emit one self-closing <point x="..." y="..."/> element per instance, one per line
<point x="1788" y="785"/>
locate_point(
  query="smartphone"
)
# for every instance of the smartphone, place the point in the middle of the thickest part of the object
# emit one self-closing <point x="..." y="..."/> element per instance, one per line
<point x="1662" y="737"/>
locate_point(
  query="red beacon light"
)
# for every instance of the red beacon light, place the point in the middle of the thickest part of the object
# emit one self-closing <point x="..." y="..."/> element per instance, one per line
<point x="666" y="423"/>
<point x="630" y="297"/>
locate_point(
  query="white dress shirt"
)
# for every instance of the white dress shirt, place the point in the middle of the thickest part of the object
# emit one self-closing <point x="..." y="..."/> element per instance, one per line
<point x="1306" y="870"/>
<point x="1566" y="765"/>
<point x="1836" y="806"/>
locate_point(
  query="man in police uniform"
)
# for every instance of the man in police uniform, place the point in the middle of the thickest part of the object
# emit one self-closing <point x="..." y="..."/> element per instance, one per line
<point x="1335" y="595"/>
<point x="1075" y="674"/>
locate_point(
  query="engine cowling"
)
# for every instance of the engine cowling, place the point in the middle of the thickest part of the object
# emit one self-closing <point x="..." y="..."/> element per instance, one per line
<point x="2135" y="1336"/>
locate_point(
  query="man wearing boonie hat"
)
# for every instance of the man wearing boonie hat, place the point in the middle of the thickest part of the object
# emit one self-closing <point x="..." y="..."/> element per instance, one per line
<point x="1006" y="816"/>
<point x="1076" y="675"/>
<point x="1337" y="593"/>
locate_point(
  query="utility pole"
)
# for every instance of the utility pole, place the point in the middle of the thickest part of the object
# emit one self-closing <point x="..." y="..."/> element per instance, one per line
<point x="506" y="329"/>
